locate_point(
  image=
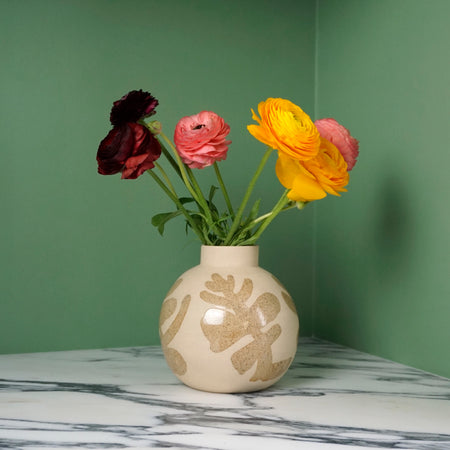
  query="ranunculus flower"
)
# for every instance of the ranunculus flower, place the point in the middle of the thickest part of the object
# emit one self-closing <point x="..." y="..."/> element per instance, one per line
<point x="201" y="139"/>
<point x="134" y="106"/>
<point x="129" y="148"/>
<point x="338" y="135"/>
<point x="313" y="179"/>
<point x="286" y="127"/>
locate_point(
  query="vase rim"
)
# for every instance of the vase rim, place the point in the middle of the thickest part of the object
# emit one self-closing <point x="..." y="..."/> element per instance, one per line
<point x="228" y="256"/>
<point x="230" y="246"/>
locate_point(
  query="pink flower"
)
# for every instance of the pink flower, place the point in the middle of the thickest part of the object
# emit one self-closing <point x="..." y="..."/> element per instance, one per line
<point x="338" y="135"/>
<point x="201" y="139"/>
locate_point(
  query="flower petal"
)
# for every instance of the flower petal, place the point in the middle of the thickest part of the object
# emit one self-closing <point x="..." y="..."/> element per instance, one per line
<point x="338" y="135"/>
<point x="287" y="128"/>
<point x="302" y="184"/>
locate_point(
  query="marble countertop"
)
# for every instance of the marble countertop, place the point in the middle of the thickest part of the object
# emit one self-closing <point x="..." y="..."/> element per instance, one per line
<point x="331" y="397"/>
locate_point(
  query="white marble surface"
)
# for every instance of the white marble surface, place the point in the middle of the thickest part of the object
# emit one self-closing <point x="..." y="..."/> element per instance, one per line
<point x="331" y="398"/>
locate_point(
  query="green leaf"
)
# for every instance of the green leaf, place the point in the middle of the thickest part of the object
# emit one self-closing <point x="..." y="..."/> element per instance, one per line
<point x="254" y="211"/>
<point x="212" y="191"/>
<point x="252" y="215"/>
<point x="184" y="200"/>
<point x="212" y="207"/>
<point x="244" y="233"/>
<point x="160" y="220"/>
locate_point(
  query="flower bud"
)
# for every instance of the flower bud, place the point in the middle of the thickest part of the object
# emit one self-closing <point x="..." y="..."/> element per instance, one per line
<point x="155" y="127"/>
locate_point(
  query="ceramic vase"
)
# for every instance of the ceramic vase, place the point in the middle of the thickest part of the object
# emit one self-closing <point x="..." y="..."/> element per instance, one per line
<point x="227" y="325"/>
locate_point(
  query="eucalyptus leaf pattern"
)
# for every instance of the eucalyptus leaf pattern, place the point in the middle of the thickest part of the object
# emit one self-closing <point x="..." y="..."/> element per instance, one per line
<point x="233" y="319"/>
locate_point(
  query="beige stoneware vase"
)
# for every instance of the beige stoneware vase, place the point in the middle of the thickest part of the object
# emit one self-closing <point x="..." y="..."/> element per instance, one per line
<point x="228" y="325"/>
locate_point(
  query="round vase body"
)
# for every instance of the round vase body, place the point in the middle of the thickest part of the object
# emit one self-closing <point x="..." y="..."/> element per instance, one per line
<point x="228" y="325"/>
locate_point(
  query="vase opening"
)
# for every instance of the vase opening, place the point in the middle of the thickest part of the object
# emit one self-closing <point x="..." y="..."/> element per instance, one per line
<point x="229" y="256"/>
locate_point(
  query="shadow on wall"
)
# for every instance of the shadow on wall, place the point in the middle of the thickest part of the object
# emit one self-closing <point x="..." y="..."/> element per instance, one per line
<point x="290" y="260"/>
<point x="358" y="279"/>
<point x="393" y="232"/>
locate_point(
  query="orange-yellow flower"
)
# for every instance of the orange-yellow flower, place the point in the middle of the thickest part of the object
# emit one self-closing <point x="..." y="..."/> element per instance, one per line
<point x="313" y="179"/>
<point x="284" y="126"/>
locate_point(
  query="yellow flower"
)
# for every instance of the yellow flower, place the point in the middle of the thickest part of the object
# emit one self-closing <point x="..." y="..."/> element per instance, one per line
<point x="313" y="179"/>
<point x="284" y="126"/>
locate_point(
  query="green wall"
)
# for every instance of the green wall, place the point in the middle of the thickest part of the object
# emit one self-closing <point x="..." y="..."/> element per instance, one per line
<point x="383" y="258"/>
<point x="81" y="265"/>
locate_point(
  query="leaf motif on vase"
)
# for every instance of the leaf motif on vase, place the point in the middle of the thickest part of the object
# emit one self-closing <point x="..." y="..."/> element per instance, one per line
<point x="174" y="359"/>
<point x="233" y="319"/>
<point x="222" y="334"/>
<point x="289" y="302"/>
<point x="265" y="309"/>
<point x="174" y="286"/>
<point x="287" y="298"/>
<point x="168" y="308"/>
<point x="229" y="298"/>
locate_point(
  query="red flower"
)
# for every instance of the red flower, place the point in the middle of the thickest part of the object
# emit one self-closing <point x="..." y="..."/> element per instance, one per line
<point x="129" y="148"/>
<point x="132" y="107"/>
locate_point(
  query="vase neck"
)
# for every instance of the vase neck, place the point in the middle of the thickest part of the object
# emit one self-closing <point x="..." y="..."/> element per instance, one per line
<point x="229" y="256"/>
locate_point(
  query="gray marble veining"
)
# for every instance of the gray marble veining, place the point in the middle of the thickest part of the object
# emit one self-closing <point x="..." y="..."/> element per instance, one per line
<point x="331" y="397"/>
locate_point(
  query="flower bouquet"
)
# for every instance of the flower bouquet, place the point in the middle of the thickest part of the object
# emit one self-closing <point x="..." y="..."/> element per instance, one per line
<point x="314" y="159"/>
<point x="228" y="325"/>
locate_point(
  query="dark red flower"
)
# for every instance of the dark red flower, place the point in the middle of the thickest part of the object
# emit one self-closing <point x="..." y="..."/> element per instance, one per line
<point x="134" y="106"/>
<point x="129" y="148"/>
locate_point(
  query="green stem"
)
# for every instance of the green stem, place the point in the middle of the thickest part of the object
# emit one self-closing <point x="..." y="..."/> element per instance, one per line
<point x="203" y="202"/>
<point x="198" y="189"/>
<point x="171" y="160"/>
<point x="279" y="207"/>
<point x="166" y="178"/>
<point x="224" y="190"/>
<point x="164" y="150"/>
<point x="182" y="168"/>
<point x="265" y="216"/>
<point x="174" y="198"/>
<point x="237" y="219"/>
<point x="192" y="185"/>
